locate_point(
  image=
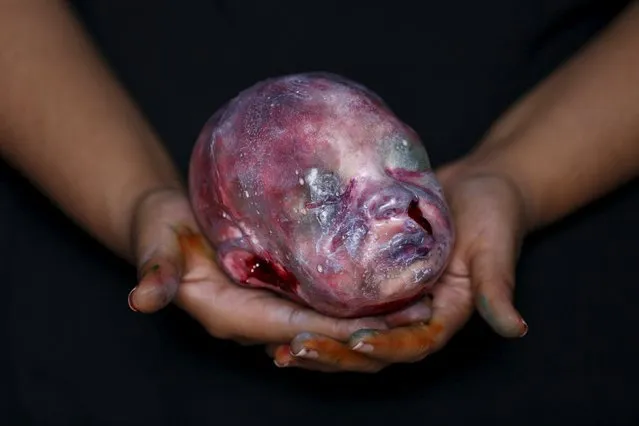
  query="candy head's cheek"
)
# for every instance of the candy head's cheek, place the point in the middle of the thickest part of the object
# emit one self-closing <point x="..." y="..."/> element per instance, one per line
<point x="310" y="207"/>
<point x="246" y="267"/>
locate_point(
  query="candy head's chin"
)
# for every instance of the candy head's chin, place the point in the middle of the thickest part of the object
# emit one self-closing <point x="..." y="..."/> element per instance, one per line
<point x="375" y="289"/>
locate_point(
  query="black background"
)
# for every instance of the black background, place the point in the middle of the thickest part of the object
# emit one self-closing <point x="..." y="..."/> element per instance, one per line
<point x="73" y="354"/>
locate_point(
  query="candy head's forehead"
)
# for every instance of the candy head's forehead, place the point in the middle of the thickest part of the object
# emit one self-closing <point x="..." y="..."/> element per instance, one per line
<point x="305" y="121"/>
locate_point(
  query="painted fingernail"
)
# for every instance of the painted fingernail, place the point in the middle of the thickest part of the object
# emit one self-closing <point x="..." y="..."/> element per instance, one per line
<point x="130" y="300"/>
<point x="525" y="328"/>
<point x="363" y="347"/>
<point x="306" y="353"/>
<point x="363" y="334"/>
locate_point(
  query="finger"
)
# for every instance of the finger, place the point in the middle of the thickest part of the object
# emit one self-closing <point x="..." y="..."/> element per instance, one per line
<point x="272" y="348"/>
<point x="311" y="366"/>
<point x="399" y="345"/>
<point x="493" y="276"/>
<point x="296" y="319"/>
<point x="418" y="312"/>
<point x="330" y="352"/>
<point x="452" y="307"/>
<point x="289" y="319"/>
<point x="283" y="358"/>
<point x="319" y="353"/>
<point x="159" y="217"/>
<point x="158" y="283"/>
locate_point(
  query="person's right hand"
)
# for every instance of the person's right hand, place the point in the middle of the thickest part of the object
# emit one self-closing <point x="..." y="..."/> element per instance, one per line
<point x="177" y="265"/>
<point x="488" y="212"/>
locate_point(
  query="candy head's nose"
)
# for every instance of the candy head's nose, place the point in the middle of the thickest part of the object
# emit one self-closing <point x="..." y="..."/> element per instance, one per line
<point x="389" y="202"/>
<point x="397" y="205"/>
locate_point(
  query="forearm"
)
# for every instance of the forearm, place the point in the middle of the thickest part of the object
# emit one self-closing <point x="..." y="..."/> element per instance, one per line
<point x="576" y="136"/>
<point x="69" y="127"/>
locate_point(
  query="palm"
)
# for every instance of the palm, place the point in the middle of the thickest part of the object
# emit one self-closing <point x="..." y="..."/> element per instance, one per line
<point x="229" y="311"/>
<point x="177" y="264"/>
<point x="247" y="315"/>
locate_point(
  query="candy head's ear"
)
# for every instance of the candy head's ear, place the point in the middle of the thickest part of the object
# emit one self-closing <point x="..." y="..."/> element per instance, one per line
<point x="236" y="260"/>
<point x="247" y="268"/>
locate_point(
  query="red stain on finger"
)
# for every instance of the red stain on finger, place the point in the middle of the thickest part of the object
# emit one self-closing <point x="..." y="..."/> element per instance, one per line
<point x="283" y="356"/>
<point x="193" y="243"/>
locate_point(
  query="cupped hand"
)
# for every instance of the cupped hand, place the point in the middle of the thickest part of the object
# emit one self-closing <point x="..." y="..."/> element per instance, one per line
<point x="488" y="214"/>
<point x="177" y="265"/>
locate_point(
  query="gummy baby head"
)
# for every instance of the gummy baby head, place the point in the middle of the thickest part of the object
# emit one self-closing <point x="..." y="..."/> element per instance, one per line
<point x="310" y="186"/>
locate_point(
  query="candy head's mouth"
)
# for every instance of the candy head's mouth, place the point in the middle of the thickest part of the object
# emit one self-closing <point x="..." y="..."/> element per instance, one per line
<point x="412" y="243"/>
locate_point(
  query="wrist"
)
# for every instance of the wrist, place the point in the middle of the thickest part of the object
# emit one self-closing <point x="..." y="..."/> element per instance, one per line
<point x="495" y="165"/>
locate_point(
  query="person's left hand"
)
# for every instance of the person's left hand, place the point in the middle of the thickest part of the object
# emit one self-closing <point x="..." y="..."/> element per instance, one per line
<point x="488" y="214"/>
<point x="176" y="264"/>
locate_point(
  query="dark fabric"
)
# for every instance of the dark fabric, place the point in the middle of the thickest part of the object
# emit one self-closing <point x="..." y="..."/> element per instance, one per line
<point x="73" y="354"/>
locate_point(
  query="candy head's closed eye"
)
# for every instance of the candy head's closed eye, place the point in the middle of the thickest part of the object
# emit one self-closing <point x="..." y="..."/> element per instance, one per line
<point x="310" y="186"/>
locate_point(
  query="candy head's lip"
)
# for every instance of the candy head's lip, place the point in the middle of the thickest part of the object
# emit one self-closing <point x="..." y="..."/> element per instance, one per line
<point x="405" y="249"/>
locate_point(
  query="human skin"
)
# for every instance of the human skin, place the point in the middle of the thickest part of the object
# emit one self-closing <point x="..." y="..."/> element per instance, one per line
<point x="310" y="186"/>
<point x="571" y="140"/>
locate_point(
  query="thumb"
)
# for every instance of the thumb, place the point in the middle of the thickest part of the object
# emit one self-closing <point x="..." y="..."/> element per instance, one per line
<point x="488" y="214"/>
<point x="160" y="218"/>
<point x="158" y="280"/>
<point x="492" y="272"/>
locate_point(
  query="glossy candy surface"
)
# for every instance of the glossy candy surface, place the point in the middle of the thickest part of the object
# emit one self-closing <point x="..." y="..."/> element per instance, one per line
<point x="308" y="185"/>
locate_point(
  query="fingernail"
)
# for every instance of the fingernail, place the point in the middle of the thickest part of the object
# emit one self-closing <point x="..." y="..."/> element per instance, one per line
<point x="306" y="353"/>
<point x="363" y="333"/>
<point x="525" y="328"/>
<point x="363" y="347"/>
<point x="130" y="300"/>
<point x="278" y="365"/>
